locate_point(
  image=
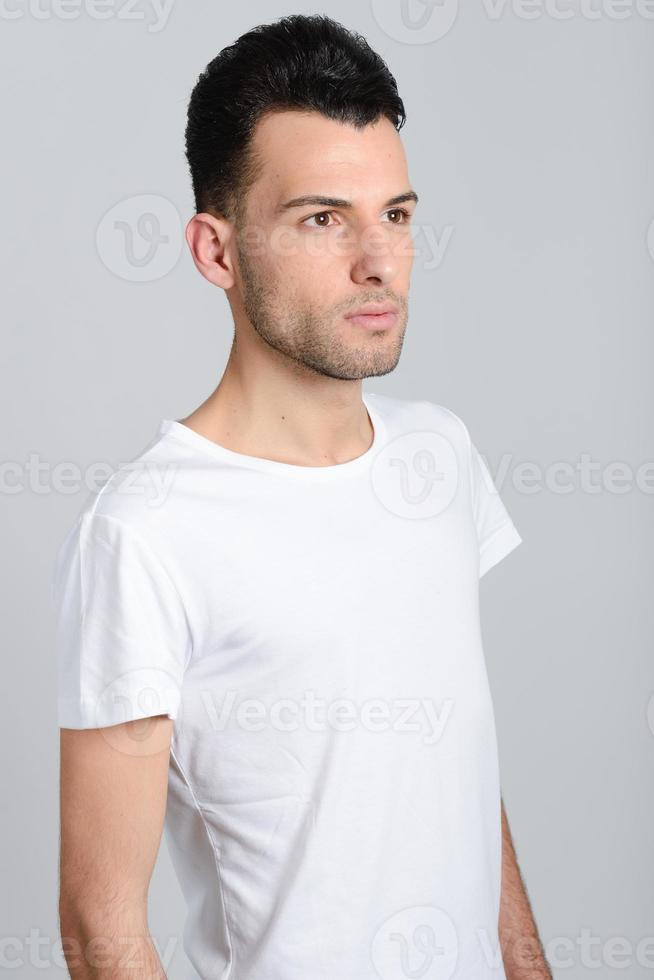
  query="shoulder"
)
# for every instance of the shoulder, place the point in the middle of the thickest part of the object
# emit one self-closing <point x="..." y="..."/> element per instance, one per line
<point x="402" y="415"/>
<point x="129" y="503"/>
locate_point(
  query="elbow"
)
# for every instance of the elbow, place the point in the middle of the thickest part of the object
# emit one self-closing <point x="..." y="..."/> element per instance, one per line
<point x="87" y="913"/>
<point x="98" y="935"/>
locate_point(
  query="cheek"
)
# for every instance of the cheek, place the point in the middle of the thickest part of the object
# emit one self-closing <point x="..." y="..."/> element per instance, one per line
<point x="296" y="256"/>
<point x="405" y="250"/>
<point x="332" y="248"/>
<point x="311" y="265"/>
<point x="319" y="252"/>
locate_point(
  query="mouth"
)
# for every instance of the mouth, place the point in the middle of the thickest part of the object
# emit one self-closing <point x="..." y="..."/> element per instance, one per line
<point x="374" y="319"/>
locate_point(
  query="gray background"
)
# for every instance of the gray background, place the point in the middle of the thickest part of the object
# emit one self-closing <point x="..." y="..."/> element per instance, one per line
<point x="530" y="142"/>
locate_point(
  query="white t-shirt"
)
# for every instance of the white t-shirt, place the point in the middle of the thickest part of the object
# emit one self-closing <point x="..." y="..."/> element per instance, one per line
<point x="334" y="797"/>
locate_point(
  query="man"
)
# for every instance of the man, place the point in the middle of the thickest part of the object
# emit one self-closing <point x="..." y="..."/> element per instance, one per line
<point x="279" y="659"/>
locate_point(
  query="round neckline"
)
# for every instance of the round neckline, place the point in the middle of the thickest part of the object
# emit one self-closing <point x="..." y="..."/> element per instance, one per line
<point x="181" y="432"/>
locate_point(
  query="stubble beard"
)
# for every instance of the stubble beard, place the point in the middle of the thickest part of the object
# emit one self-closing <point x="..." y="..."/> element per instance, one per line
<point x="307" y="337"/>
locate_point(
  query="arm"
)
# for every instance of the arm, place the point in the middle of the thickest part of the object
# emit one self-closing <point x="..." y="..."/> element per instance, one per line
<point x="113" y="785"/>
<point x="522" y="952"/>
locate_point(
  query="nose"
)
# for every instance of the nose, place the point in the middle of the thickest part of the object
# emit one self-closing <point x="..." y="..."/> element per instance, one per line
<point x="375" y="260"/>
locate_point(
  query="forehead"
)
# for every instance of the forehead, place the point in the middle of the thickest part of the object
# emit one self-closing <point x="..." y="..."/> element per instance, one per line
<point x="306" y="153"/>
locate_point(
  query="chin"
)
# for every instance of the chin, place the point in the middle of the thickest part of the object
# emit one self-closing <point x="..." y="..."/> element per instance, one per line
<point x="363" y="368"/>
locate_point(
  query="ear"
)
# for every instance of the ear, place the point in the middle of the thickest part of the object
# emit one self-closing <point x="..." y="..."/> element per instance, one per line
<point x="209" y="239"/>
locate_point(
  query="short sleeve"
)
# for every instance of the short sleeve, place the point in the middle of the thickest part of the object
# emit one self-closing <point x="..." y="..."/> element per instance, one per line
<point x="122" y="635"/>
<point x="496" y="531"/>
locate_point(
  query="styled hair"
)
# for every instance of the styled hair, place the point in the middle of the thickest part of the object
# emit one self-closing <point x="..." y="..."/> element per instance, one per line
<point x="298" y="63"/>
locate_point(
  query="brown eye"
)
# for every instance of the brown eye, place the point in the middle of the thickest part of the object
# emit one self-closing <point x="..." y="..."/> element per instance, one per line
<point x="315" y="217"/>
<point x="403" y="214"/>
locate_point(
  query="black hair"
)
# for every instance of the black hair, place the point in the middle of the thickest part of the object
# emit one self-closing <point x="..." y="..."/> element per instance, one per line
<point x="301" y="63"/>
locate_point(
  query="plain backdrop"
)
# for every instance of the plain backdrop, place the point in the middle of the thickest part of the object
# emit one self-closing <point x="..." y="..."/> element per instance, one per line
<point x="530" y="140"/>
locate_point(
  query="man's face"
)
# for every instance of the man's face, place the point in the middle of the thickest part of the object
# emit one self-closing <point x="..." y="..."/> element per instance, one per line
<point x="302" y="268"/>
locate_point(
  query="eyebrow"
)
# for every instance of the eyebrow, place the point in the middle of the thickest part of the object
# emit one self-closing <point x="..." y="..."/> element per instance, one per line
<point x="338" y="202"/>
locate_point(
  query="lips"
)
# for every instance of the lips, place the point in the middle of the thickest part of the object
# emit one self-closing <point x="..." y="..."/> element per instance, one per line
<point x="373" y="309"/>
<point x="373" y="321"/>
